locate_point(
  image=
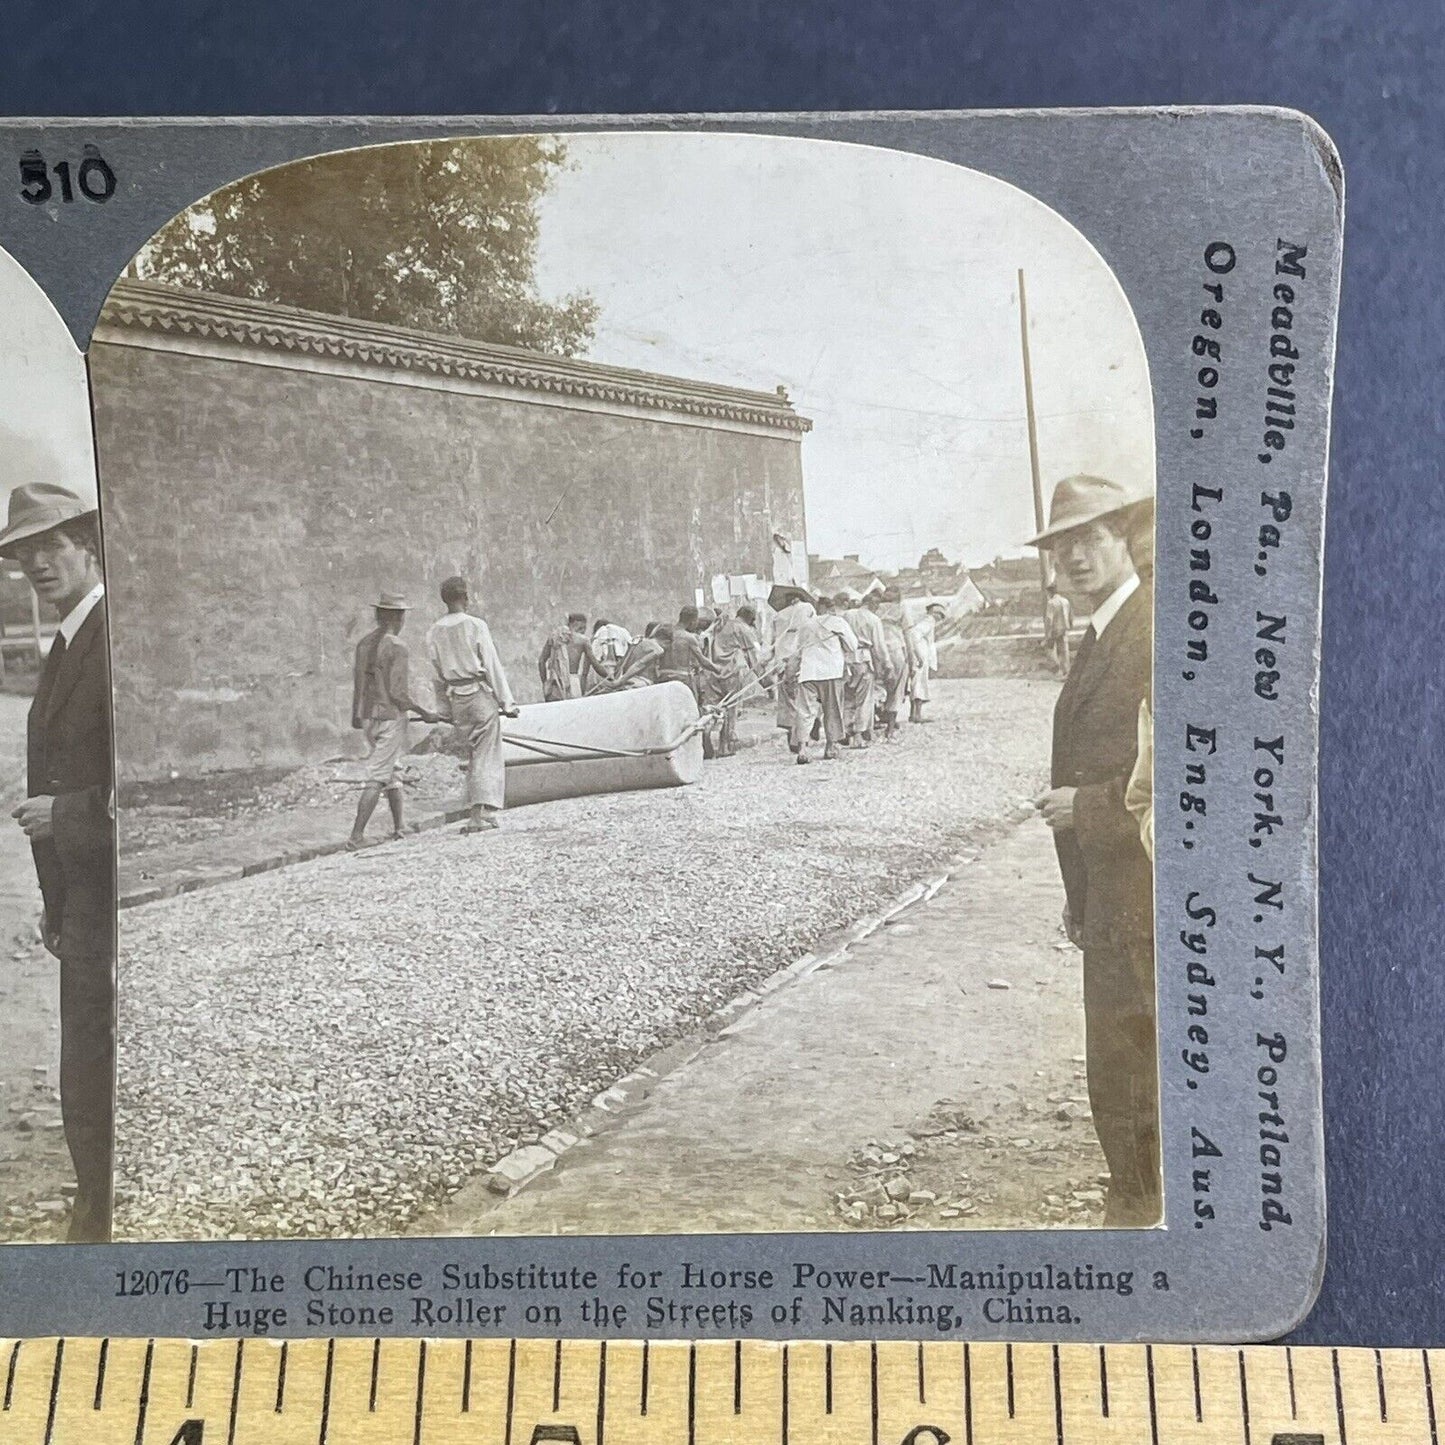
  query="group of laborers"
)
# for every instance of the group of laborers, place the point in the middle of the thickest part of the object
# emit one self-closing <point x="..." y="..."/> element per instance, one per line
<point x="469" y="686"/>
<point x="840" y="667"/>
<point x="846" y="665"/>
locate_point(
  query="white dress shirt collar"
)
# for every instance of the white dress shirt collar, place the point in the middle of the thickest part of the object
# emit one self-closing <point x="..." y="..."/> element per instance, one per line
<point x="70" y="623"/>
<point x="1109" y="609"/>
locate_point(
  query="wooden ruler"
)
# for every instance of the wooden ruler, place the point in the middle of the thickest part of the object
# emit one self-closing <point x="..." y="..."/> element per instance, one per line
<point x="527" y="1392"/>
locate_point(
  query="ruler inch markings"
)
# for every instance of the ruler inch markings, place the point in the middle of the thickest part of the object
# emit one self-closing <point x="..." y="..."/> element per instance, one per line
<point x="61" y="1391"/>
<point x="55" y="1394"/>
<point x="235" y="1393"/>
<point x="10" y="1371"/>
<point x="783" y="1424"/>
<point x="99" y="1400"/>
<point x="1153" y="1401"/>
<point x="1429" y="1397"/>
<point x="326" y="1393"/>
<point x="967" y="1394"/>
<point x="281" y="1380"/>
<point x="1244" y="1397"/>
<point x="1339" y="1395"/>
<point x="601" y="1387"/>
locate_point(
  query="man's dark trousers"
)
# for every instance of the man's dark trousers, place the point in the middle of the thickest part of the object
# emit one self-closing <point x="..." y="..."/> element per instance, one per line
<point x="1109" y="883"/>
<point x="69" y="752"/>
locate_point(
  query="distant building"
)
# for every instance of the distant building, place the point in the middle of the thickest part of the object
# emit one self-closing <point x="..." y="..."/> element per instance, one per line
<point x="1011" y="583"/>
<point x="935" y="576"/>
<point x="939" y="576"/>
<point x="833" y="575"/>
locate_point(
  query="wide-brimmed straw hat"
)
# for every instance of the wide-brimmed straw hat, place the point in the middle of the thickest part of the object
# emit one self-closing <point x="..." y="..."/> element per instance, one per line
<point x="392" y="602"/>
<point x="40" y="507"/>
<point x="1082" y="499"/>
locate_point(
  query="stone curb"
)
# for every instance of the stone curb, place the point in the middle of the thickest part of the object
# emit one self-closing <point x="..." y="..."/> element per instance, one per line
<point x="529" y="1162"/>
<point x="193" y="879"/>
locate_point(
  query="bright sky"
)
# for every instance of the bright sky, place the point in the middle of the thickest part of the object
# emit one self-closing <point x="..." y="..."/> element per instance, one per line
<point x="881" y="289"/>
<point x="44" y="403"/>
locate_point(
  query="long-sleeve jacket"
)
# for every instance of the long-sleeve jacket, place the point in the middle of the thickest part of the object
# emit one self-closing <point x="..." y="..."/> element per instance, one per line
<point x="462" y="652"/>
<point x="1107" y="875"/>
<point x="68" y="757"/>
<point x="868" y="629"/>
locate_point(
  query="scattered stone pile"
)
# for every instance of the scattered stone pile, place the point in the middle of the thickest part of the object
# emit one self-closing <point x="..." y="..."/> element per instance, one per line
<point x="886" y="1194"/>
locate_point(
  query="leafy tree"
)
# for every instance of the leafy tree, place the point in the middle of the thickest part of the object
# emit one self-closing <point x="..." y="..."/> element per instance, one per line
<point x="436" y="235"/>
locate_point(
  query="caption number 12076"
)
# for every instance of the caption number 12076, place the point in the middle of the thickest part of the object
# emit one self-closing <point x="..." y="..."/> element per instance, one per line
<point x="91" y="178"/>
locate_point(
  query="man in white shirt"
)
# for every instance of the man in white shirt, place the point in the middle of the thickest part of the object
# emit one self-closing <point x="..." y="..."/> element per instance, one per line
<point x="824" y="645"/>
<point x="860" y="687"/>
<point x="923" y="655"/>
<point x="1108" y="880"/>
<point x="791" y="610"/>
<point x="472" y="691"/>
<point x="1058" y="618"/>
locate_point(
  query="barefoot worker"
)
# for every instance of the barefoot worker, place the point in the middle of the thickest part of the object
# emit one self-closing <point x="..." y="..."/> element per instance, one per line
<point x="473" y="693"/>
<point x="923" y="660"/>
<point x="893" y="683"/>
<point x="737" y="652"/>
<point x="860" y="687"/>
<point x="567" y="659"/>
<point x="380" y="701"/>
<point x="69" y="817"/>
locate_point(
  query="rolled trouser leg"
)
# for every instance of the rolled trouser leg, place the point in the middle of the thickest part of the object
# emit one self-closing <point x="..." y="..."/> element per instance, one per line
<point x="479" y="720"/>
<point x="729" y="735"/>
<point x="804" y="713"/>
<point x="830" y="698"/>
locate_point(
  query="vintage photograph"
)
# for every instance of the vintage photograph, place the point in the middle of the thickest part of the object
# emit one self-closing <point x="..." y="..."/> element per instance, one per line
<point x="57" y="837"/>
<point x="632" y="669"/>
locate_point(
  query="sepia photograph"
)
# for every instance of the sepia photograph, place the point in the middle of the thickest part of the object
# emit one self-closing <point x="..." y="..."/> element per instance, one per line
<point x="57" y="836"/>
<point x="632" y="676"/>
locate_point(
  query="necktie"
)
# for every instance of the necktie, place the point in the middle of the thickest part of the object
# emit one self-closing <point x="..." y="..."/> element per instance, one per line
<point x="38" y="766"/>
<point x="46" y="685"/>
<point x="1086" y="646"/>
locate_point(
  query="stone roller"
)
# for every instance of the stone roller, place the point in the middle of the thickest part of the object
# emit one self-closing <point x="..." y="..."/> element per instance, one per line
<point x="616" y="742"/>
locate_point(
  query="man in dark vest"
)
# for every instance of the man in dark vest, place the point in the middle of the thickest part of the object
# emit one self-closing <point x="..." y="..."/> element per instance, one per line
<point x="69" y="817"/>
<point x="1108" y="878"/>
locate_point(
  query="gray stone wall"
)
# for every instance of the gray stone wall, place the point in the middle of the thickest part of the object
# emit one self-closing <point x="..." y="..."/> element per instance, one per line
<point x="254" y="502"/>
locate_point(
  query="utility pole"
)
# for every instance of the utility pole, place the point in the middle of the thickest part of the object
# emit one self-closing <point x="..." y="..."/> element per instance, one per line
<point x="35" y="628"/>
<point x="1045" y="570"/>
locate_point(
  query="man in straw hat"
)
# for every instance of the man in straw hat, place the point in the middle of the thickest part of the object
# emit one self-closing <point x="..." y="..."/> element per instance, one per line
<point x="1108" y="880"/>
<point x="380" y="702"/>
<point x="923" y="655"/>
<point x="69" y="817"/>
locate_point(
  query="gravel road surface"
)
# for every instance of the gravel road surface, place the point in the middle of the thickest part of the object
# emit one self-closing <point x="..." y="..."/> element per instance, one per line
<point x="336" y="1048"/>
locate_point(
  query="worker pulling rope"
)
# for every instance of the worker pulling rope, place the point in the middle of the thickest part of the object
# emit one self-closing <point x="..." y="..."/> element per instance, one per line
<point x="561" y="751"/>
<point x="557" y="750"/>
<point x="553" y="750"/>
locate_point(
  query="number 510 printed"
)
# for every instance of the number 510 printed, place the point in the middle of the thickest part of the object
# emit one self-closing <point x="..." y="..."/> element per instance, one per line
<point x="40" y="181"/>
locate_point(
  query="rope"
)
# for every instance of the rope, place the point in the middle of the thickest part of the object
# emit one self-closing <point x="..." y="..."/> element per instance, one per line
<point x="558" y="750"/>
<point x="585" y="752"/>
